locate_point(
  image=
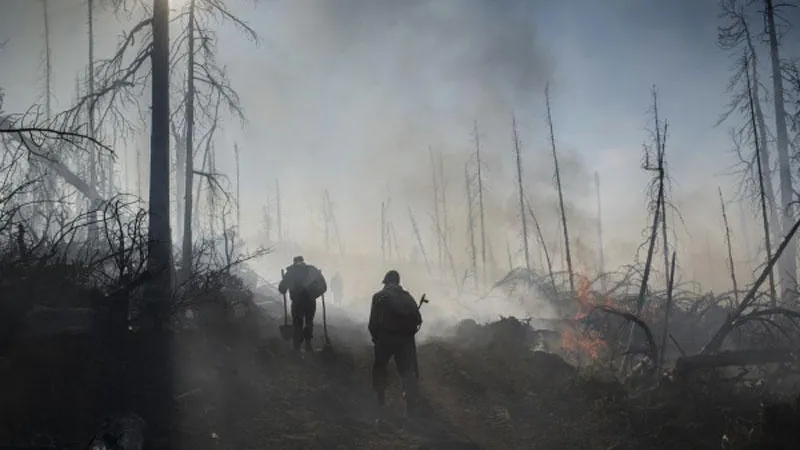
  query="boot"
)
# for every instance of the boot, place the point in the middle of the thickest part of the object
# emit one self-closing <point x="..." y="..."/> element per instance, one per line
<point x="308" y="347"/>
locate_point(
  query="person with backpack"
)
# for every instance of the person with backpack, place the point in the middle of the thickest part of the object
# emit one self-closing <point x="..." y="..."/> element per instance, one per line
<point x="305" y="284"/>
<point x="394" y="320"/>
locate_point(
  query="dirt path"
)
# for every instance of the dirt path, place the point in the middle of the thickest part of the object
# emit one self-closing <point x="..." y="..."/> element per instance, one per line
<point x="263" y="396"/>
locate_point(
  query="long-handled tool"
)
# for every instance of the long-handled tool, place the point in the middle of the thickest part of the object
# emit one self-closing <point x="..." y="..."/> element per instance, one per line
<point x="327" y="351"/>
<point x="285" y="330"/>
<point x="422" y="301"/>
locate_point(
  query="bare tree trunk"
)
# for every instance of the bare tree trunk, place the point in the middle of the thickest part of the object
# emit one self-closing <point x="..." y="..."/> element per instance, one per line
<point x="436" y="216"/>
<point x="188" y="207"/>
<point x="761" y="188"/>
<point x="445" y="230"/>
<point x="730" y="249"/>
<point x="419" y="241"/>
<point x="383" y="232"/>
<point x="327" y="218"/>
<point x="238" y="190"/>
<point x="508" y="251"/>
<point x="667" y="310"/>
<point x="788" y="264"/>
<point x="660" y="206"/>
<point x="479" y="163"/>
<point x="600" y="233"/>
<point x="544" y="248"/>
<point x="745" y="232"/>
<point x="48" y="66"/>
<point x="560" y="192"/>
<point x="180" y="177"/>
<point x="518" y="157"/>
<point x="278" y="215"/>
<point x="160" y="245"/>
<point x="139" y="181"/>
<point x="471" y="228"/>
<point x="762" y="129"/>
<point x="92" y="229"/>
<point x="661" y="144"/>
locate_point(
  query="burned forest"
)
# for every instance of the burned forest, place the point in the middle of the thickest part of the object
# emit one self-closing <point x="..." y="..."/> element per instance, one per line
<point x="384" y="224"/>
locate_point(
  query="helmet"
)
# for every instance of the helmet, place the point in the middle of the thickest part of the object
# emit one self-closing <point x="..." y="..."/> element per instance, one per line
<point x="391" y="277"/>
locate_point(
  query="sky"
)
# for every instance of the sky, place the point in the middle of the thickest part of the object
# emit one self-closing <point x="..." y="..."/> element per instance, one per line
<point x="349" y="95"/>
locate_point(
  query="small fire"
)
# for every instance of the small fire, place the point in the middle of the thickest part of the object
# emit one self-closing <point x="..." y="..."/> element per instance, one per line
<point x="584" y="343"/>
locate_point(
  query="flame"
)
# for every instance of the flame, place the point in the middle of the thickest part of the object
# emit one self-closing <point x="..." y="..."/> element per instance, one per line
<point x="584" y="343"/>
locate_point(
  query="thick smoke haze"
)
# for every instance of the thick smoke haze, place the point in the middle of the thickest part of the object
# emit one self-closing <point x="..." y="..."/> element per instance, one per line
<point x="352" y="95"/>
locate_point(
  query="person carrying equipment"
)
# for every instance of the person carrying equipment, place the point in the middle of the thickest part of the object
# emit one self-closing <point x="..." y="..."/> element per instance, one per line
<point x="305" y="284"/>
<point x="394" y="319"/>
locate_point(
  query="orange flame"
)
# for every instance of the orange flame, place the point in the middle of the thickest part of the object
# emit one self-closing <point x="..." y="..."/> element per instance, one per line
<point x="580" y="343"/>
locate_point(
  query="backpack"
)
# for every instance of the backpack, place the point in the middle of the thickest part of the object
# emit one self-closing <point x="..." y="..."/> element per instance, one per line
<point x="398" y="312"/>
<point x="314" y="283"/>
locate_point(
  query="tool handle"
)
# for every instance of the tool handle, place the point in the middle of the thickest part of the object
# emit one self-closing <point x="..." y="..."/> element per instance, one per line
<point x="285" y="311"/>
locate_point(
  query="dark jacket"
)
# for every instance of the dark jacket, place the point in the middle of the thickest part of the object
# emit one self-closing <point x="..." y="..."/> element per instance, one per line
<point x="293" y="280"/>
<point x="389" y="302"/>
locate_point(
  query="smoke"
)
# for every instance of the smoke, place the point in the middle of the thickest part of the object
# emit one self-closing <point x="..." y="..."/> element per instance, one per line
<point x="352" y="96"/>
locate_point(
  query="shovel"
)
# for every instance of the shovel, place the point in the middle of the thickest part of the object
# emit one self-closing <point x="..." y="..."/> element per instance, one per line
<point x="285" y="330"/>
<point x="327" y="353"/>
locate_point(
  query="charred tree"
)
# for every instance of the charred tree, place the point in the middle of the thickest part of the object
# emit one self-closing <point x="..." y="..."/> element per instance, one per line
<point x="160" y="245"/>
<point x="436" y="216"/>
<point x="238" y="190"/>
<point x="601" y="249"/>
<point x="479" y="163"/>
<point x="560" y="191"/>
<point x="188" y="206"/>
<point x="419" y="241"/>
<point x="737" y="36"/>
<point x="92" y="228"/>
<point x="383" y="232"/>
<point x="658" y="211"/>
<point x="445" y="230"/>
<point x="731" y="264"/>
<point x="788" y="263"/>
<point x="761" y="187"/>
<point x="471" y="227"/>
<point x="518" y="158"/>
<point x="278" y="215"/>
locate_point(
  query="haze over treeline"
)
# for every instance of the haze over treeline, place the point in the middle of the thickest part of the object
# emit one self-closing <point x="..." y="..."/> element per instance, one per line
<point x="353" y="96"/>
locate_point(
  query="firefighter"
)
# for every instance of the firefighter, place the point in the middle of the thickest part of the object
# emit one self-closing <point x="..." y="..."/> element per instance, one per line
<point x="305" y="284"/>
<point x="393" y="322"/>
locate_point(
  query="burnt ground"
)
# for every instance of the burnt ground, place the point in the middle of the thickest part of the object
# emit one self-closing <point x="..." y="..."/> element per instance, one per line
<point x="246" y="389"/>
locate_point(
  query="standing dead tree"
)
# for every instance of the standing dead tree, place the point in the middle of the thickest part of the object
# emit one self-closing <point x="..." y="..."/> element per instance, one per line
<point x="658" y="208"/>
<point x="419" y="240"/>
<point x="744" y="87"/>
<point x="436" y="216"/>
<point x="731" y="264"/>
<point x="761" y="185"/>
<point x="206" y="83"/>
<point x="471" y="226"/>
<point x="560" y="191"/>
<point x="330" y="220"/>
<point x="278" y="215"/>
<point x="444" y="231"/>
<point x="601" y="250"/>
<point x="520" y="189"/>
<point x="788" y="263"/>
<point x="543" y="243"/>
<point x="479" y="180"/>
